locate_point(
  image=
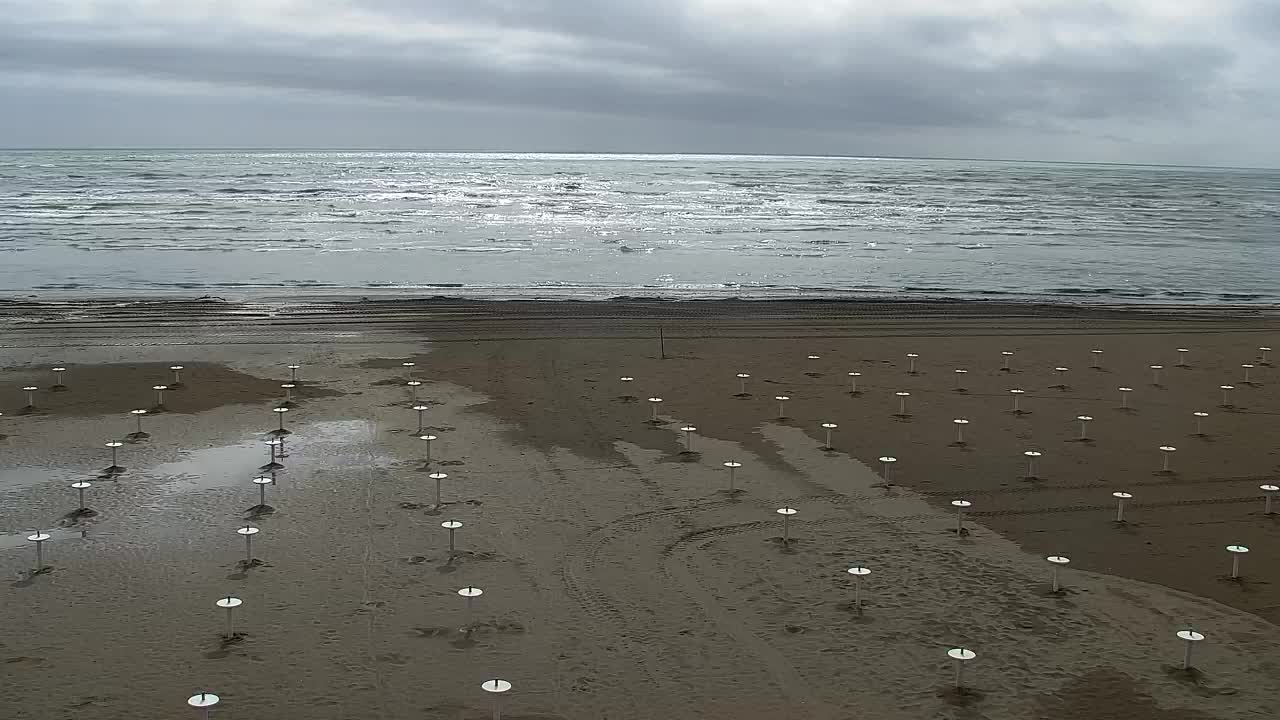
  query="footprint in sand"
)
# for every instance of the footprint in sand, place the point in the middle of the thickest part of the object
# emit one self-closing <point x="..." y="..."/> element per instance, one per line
<point x="24" y="660"/>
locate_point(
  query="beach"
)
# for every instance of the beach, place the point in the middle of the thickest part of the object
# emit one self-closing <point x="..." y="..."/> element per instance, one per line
<point x="620" y="576"/>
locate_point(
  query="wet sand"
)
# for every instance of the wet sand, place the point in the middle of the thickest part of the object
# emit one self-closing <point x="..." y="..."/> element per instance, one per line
<point x="621" y="580"/>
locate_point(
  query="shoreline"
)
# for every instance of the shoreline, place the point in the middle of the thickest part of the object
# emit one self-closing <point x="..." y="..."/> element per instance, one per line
<point x="448" y="292"/>
<point x="12" y="305"/>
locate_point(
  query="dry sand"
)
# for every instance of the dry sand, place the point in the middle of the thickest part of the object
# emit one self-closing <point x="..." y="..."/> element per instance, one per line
<point x="620" y="579"/>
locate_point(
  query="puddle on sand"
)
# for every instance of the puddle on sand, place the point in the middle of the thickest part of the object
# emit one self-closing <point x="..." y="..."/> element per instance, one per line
<point x="14" y="478"/>
<point x="341" y="431"/>
<point x="335" y="443"/>
<point x="211" y="467"/>
<point x="19" y="539"/>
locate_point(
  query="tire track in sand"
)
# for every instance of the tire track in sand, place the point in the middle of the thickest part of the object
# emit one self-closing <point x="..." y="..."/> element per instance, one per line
<point x="675" y="565"/>
<point x="619" y="614"/>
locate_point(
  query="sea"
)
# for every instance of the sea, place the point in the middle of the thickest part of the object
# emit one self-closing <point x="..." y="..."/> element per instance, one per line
<point x="237" y="224"/>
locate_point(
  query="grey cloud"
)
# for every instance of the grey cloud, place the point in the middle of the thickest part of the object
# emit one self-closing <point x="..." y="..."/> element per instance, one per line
<point x="655" y="60"/>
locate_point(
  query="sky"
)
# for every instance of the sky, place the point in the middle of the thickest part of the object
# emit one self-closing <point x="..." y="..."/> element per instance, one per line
<point x="1148" y="81"/>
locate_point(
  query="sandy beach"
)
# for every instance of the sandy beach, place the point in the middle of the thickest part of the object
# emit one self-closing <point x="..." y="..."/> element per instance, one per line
<point x="620" y="577"/>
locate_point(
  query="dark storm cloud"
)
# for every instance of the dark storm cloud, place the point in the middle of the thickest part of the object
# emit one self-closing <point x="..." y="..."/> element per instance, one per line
<point x="844" y="66"/>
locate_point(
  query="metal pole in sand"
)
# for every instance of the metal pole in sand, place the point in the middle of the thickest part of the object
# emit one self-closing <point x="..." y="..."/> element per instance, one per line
<point x="1182" y="356"/>
<point x="1084" y="426"/>
<point x="452" y="526"/>
<point x="742" y="384"/>
<point x="229" y="604"/>
<point x="57" y="386"/>
<point x="1190" y="637"/>
<point x="1200" y="416"/>
<point x="732" y="465"/>
<point x="786" y="513"/>
<point x="497" y="687"/>
<point x="408" y="369"/>
<point x="626" y="381"/>
<point x="688" y="431"/>
<point x="782" y="405"/>
<point x="1096" y="361"/>
<point x="413" y="390"/>
<point x="886" y="468"/>
<point x="293" y="373"/>
<point x="1124" y="397"/>
<point x="960" y="505"/>
<point x="248" y="531"/>
<point x="80" y="487"/>
<point x="960" y="373"/>
<point x="439" y="478"/>
<point x="1246" y="367"/>
<point x="654" y="402"/>
<point x="203" y="701"/>
<point x="1165" y="452"/>
<point x="1031" y="455"/>
<point x="1265" y="352"/>
<point x="39" y="539"/>
<point x="177" y="375"/>
<point x="1058" y="562"/>
<point x="828" y="426"/>
<point x="115" y="468"/>
<point x="1268" y="492"/>
<point x="288" y="394"/>
<point x="262" y="481"/>
<point x="138" y="434"/>
<point x="1007" y="355"/>
<point x="1017" y="394"/>
<point x="470" y="593"/>
<point x="853" y="382"/>
<point x="902" y="403"/>
<point x="272" y="464"/>
<point x="1120" y="498"/>
<point x="160" y="395"/>
<point x="1236" y="551"/>
<point x="1155" y="374"/>
<point x="427" y="439"/>
<point x="1226" y="395"/>
<point x="280" y="431"/>
<point x="420" y="409"/>
<point x="961" y="656"/>
<point x="1061" y="372"/>
<point x="911" y="363"/>
<point x="31" y="396"/>
<point x="858" y="572"/>
<point x="960" y="423"/>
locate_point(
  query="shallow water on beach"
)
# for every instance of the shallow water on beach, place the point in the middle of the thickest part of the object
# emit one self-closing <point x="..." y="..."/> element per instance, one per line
<point x="596" y="226"/>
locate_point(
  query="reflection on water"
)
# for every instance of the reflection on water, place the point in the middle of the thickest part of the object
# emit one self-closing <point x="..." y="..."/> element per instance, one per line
<point x="328" y="444"/>
<point x="19" y="539"/>
<point x="213" y="467"/>
<point x="13" y="478"/>
<point x="325" y="443"/>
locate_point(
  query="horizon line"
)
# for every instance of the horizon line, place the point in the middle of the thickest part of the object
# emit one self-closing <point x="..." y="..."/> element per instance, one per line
<point x="426" y="151"/>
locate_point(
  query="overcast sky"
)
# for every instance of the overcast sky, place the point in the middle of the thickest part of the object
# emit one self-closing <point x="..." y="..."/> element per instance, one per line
<point x="1181" y="81"/>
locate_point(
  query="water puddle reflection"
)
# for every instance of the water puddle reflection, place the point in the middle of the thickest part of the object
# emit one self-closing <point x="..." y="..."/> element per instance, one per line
<point x="15" y="478"/>
<point x="12" y="541"/>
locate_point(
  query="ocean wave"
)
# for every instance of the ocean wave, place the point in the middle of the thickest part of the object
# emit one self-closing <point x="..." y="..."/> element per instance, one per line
<point x="845" y="201"/>
<point x="757" y="224"/>
<point x="155" y="175"/>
